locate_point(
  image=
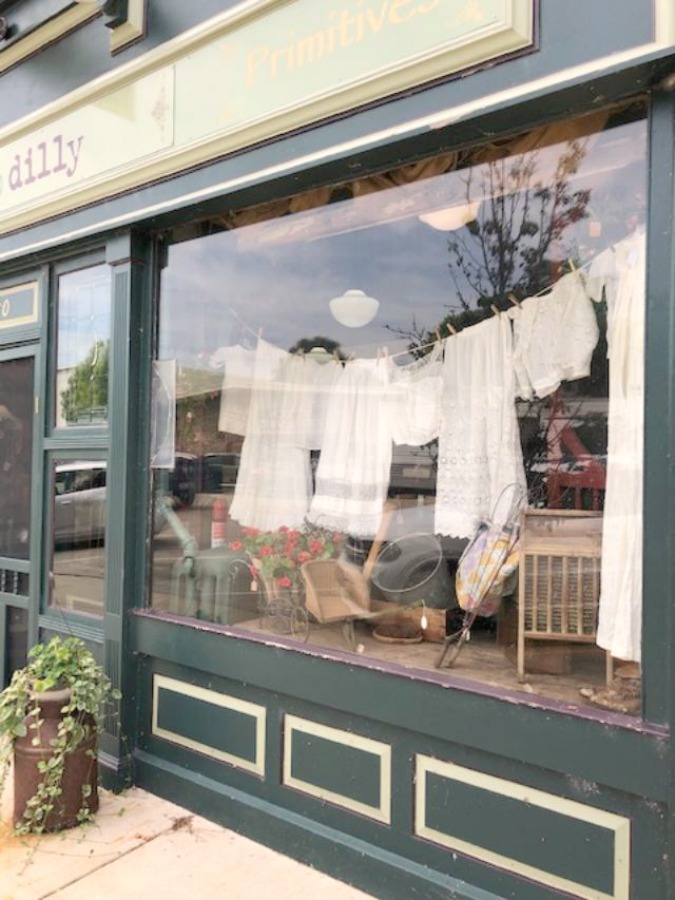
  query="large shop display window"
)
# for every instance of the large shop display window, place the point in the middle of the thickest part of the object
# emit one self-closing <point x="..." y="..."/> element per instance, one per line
<point x="402" y="417"/>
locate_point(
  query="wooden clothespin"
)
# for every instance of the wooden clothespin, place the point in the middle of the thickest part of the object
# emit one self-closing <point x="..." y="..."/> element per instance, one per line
<point x="438" y="334"/>
<point x="494" y="309"/>
<point x="514" y="299"/>
<point x="451" y="328"/>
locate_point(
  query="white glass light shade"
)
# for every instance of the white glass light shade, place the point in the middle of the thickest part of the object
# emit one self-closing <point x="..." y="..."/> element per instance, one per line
<point x="453" y="217"/>
<point x="354" y="308"/>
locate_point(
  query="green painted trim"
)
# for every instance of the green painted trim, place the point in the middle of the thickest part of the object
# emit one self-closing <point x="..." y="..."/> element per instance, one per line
<point x="615" y="752"/>
<point x="658" y="665"/>
<point x="128" y="256"/>
<point x="659" y="509"/>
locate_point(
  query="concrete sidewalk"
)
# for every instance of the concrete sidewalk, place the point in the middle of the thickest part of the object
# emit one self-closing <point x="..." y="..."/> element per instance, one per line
<point x="140" y="846"/>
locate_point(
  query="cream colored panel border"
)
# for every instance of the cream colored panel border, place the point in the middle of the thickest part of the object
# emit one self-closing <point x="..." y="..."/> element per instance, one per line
<point x="381" y="813"/>
<point x="619" y="825"/>
<point x="257" y="767"/>
<point x="132" y="29"/>
<point x="46" y="34"/>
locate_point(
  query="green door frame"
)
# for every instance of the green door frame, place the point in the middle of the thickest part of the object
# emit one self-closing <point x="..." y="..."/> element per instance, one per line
<point x="31" y="566"/>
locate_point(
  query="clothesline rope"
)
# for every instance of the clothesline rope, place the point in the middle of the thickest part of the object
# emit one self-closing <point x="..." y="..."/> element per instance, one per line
<point x="384" y="352"/>
<point x="574" y="268"/>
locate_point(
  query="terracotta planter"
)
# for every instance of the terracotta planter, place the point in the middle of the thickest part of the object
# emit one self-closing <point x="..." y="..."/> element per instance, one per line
<point x="81" y="767"/>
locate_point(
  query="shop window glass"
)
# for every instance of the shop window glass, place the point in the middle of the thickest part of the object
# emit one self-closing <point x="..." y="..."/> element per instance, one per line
<point x="351" y="381"/>
<point x="83" y="345"/>
<point x="77" y="575"/>
<point x="16" y="641"/>
<point x="16" y="454"/>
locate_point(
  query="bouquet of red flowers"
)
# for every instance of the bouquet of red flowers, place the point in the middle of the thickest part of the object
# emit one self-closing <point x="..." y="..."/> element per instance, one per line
<point x="276" y="556"/>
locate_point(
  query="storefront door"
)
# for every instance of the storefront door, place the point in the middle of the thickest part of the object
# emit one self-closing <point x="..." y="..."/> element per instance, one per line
<point x="18" y="410"/>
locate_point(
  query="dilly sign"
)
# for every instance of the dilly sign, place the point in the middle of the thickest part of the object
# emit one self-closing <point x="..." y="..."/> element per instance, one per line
<point x="260" y="69"/>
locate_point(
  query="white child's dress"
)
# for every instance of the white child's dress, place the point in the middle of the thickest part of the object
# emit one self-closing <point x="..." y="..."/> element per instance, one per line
<point x="238" y="378"/>
<point x="621" y="271"/>
<point x="480" y="460"/>
<point x="373" y="403"/>
<point x="274" y="483"/>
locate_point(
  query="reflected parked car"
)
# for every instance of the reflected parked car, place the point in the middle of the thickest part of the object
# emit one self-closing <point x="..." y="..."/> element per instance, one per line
<point x="183" y="478"/>
<point x="80" y="502"/>
<point x="219" y="471"/>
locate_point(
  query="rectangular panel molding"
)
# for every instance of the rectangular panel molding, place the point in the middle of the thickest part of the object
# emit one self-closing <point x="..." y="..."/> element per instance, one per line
<point x="217" y="725"/>
<point x="344" y="768"/>
<point x="559" y="843"/>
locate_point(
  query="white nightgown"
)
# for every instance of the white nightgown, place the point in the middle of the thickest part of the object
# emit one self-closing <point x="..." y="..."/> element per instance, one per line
<point x="235" y="398"/>
<point x="373" y="402"/>
<point x="274" y="482"/>
<point x="554" y="337"/>
<point x="622" y="272"/>
<point x="479" y="452"/>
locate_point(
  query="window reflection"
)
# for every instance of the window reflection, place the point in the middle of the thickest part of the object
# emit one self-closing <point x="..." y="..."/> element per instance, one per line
<point x="79" y="528"/>
<point x="16" y="453"/>
<point x="339" y="471"/>
<point x="83" y="344"/>
<point x="16" y="641"/>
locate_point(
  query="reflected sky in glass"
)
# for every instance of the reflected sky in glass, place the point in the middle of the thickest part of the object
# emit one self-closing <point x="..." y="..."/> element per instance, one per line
<point x="277" y="277"/>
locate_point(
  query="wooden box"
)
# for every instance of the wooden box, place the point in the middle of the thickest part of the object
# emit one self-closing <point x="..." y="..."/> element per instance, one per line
<point x="559" y="577"/>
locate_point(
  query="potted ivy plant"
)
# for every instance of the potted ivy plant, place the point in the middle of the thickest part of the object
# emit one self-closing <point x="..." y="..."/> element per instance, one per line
<point x="51" y="715"/>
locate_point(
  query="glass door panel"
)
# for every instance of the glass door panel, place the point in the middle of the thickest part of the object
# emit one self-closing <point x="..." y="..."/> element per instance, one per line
<point x="16" y="454"/>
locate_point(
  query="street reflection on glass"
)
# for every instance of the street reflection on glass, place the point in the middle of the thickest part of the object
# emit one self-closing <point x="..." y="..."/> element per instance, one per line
<point x="354" y="380"/>
<point x="16" y="451"/>
<point x="83" y="344"/>
<point x="79" y="525"/>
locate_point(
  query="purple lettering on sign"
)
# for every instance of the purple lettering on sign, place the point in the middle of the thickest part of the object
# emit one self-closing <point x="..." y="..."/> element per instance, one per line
<point x="45" y="159"/>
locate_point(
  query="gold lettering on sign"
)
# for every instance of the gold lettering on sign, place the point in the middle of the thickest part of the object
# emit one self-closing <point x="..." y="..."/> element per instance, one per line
<point x="344" y="28"/>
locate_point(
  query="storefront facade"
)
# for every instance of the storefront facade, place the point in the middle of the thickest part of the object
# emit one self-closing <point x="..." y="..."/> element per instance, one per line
<point x="292" y="297"/>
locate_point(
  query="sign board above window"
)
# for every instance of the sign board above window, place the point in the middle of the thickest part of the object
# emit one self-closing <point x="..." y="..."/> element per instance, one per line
<point x="256" y="71"/>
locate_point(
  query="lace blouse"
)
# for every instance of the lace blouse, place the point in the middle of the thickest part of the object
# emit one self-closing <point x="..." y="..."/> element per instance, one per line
<point x="554" y="337"/>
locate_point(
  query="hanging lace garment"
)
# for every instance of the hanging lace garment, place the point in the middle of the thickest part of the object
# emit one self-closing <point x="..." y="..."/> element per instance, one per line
<point x="554" y="337"/>
<point x="621" y="271"/>
<point x="235" y="397"/>
<point x="320" y="381"/>
<point x="373" y="403"/>
<point x="274" y="481"/>
<point x="479" y="452"/>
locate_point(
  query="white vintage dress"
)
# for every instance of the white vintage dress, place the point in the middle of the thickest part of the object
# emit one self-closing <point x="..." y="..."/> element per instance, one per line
<point x="274" y="483"/>
<point x="374" y="403"/>
<point x="621" y="271"/>
<point x="238" y="378"/>
<point x="480" y="460"/>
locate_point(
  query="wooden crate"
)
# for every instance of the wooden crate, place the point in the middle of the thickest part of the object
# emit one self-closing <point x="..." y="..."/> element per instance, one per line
<point x="559" y="577"/>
